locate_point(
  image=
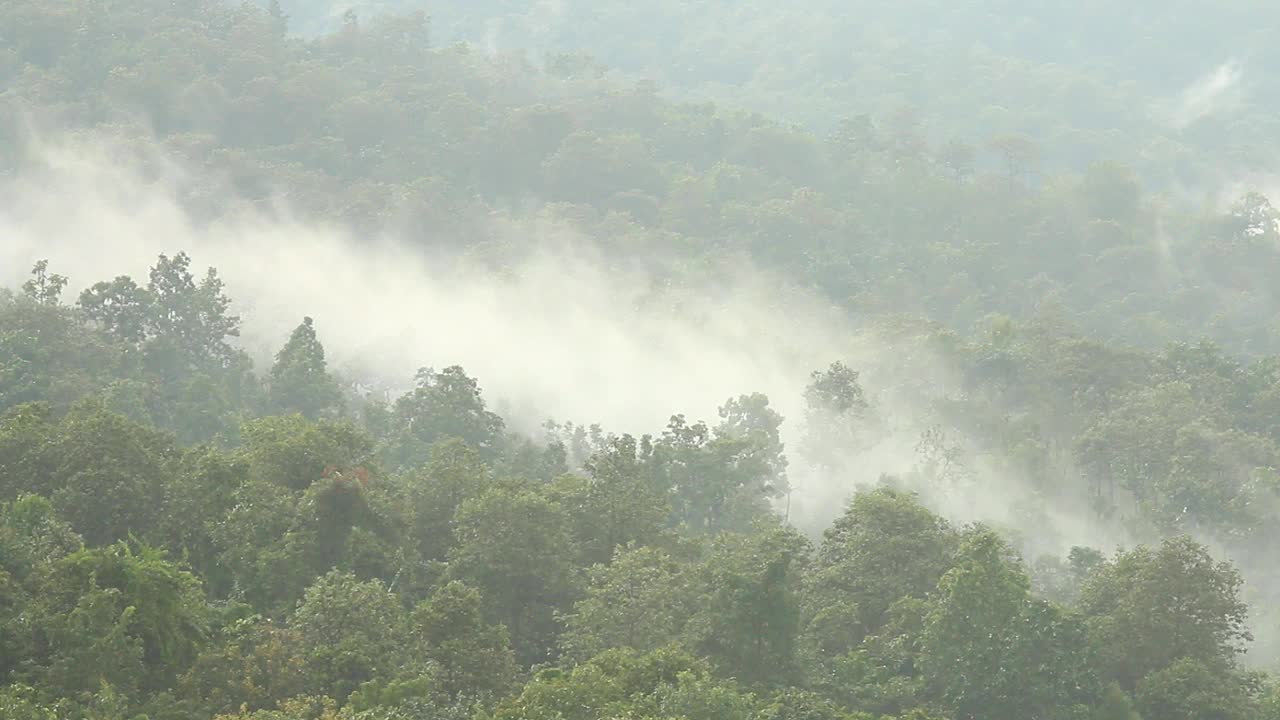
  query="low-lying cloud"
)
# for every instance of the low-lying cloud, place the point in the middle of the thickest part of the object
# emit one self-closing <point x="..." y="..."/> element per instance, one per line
<point x="1216" y="92"/>
<point x="565" y="332"/>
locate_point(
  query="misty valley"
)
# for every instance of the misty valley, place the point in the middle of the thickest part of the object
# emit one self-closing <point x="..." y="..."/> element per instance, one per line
<point x="557" y="360"/>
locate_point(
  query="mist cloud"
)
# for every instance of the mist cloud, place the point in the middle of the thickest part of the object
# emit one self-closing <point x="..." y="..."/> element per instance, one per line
<point x="1216" y="92"/>
<point x="563" y="333"/>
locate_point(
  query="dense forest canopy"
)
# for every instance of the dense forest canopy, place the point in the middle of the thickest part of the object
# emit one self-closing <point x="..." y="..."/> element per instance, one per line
<point x="1180" y="91"/>
<point x="679" y="361"/>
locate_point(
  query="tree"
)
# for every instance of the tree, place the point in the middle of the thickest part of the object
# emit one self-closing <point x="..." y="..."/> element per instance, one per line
<point x="119" y="307"/>
<point x="304" y="707"/>
<point x="793" y="704"/>
<point x="958" y="157"/>
<point x="444" y="404"/>
<point x="749" y="417"/>
<point x="23" y="701"/>
<point x="886" y="546"/>
<point x="23" y="430"/>
<point x="1252" y="219"/>
<point x="1019" y="154"/>
<point x="667" y="683"/>
<point x="278" y="17"/>
<point x="1167" y="448"/>
<point x="188" y="321"/>
<point x="32" y="537"/>
<point x="48" y="355"/>
<point x="248" y="662"/>
<point x="301" y="511"/>
<point x="105" y="473"/>
<point x="835" y="416"/>
<point x="433" y="493"/>
<point x="618" y="504"/>
<point x="1116" y="705"/>
<point x="299" y="381"/>
<point x="640" y="601"/>
<point x="514" y="546"/>
<point x="716" y="482"/>
<point x="294" y="452"/>
<point x="474" y="657"/>
<point x="1188" y="690"/>
<point x="1111" y="192"/>
<point x="748" y="619"/>
<point x="119" y="615"/>
<point x="175" y="332"/>
<point x="201" y="489"/>
<point x="1150" y="607"/>
<point x="989" y="650"/>
<point x="1061" y="582"/>
<point x="43" y="287"/>
<point x="349" y="632"/>
<point x="882" y="675"/>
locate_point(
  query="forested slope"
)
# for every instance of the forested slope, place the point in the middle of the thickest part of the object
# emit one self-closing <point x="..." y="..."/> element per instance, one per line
<point x="1048" y="486"/>
<point x="1180" y="90"/>
<point x="182" y="537"/>
<point x="372" y="127"/>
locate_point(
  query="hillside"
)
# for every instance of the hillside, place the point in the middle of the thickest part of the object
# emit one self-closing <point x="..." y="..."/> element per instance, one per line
<point x="349" y="372"/>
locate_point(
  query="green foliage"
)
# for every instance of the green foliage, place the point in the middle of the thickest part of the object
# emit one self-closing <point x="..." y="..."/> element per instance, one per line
<point x="46" y="355"/>
<point x="623" y="683"/>
<point x="1150" y="607"/>
<point x="717" y="480"/>
<point x="474" y="658"/>
<point x="185" y="536"/>
<point x="748" y="619"/>
<point x="618" y="504"/>
<point x="988" y="647"/>
<point x="21" y="701"/>
<point x="1115" y="705"/>
<point x="514" y="546"/>
<point x="641" y="601"/>
<point x="115" y="615"/>
<point x="44" y="287"/>
<point x="885" y="547"/>
<point x="434" y="493"/>
<point x="299" y="381"/>
<point x="445" y="404"/>
<point x="100" y="470"/>
<point x="249" y="663"/>
<point x="294" y="452"/>
<point x="1188" y="689"/>
<point x="836" y="413"/>
<point x="348" y="632"/>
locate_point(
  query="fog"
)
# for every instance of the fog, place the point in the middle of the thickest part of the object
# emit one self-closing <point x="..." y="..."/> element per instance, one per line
<point x="1219" y="91"/>
<point x="561" y="333"/>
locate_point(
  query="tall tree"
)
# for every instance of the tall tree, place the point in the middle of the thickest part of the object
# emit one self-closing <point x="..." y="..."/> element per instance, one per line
<point x="989" y="650"/>
<point x="349" y="632"/>
<point x="475" y="657"/>
<point x="749" y="619"/>
<point x="299" y="381"/>
<point x="44" y="287"/>
<point x="641" y="601"/>
<point x="514" y="546"/>
<point x="617" y="504"/>
<point x="189" y="320"/>
<point x="836" y="412"/>
<point x="444" y="404"/>
<point x="1150" y="607"/>
<point x="886" y="547"/>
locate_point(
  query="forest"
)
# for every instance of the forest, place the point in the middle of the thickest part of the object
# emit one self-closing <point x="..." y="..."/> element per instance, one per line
<point x="935" y="379"/>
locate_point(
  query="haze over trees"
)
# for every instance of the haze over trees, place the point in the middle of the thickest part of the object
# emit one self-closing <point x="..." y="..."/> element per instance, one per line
<point x="1052" y="491"/>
